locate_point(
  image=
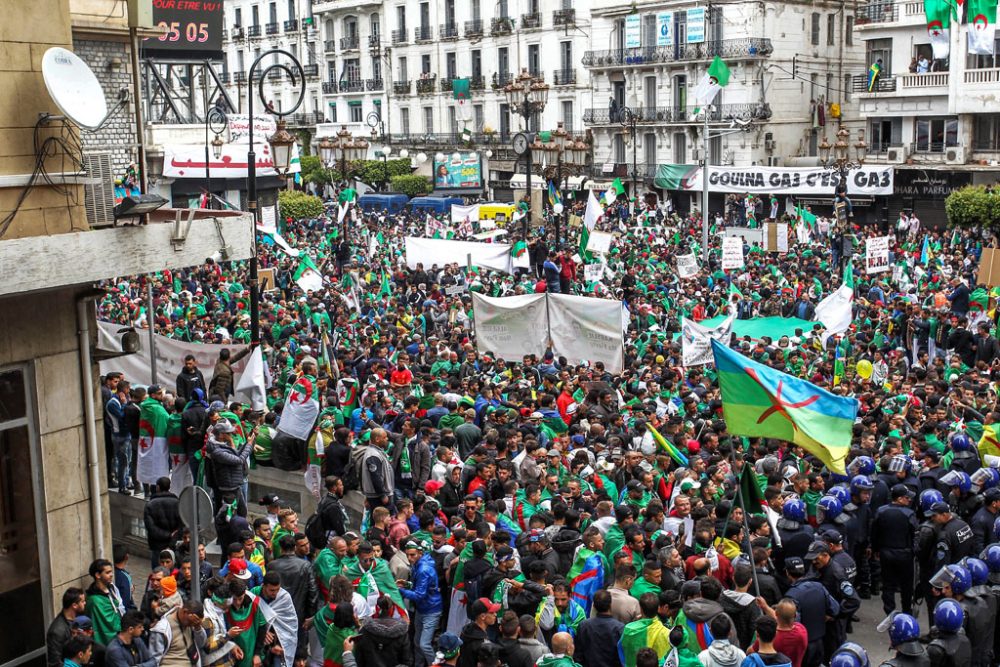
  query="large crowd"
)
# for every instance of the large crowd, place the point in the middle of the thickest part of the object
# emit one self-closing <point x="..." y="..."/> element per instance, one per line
<point x="522" y="511"/>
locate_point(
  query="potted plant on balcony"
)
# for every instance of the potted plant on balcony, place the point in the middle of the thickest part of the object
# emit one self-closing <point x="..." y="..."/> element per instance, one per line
<point x="489" y="134"/>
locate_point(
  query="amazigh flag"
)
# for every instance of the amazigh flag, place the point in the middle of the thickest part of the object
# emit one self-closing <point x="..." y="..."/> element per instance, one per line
<point x="666" y="446"/>
<point x="153" y="462"/>
<point x="981" y="15"/>
<point x="554" y="197"/>
<point x="612" y="193"/>
<point x="519" y="248"/>
<point x="307" y="275"/>
<point x="989" y="444"/>
<point x="715" y="79"/>
<point x="938" y="13"/>
<point x="758" y="401"/>
<point x="586" y="577"/>
<point x="646" y="632"/>
<point x="749" y="496"/>
<point x="979" y="300"/>
<point x="874" y="72"/>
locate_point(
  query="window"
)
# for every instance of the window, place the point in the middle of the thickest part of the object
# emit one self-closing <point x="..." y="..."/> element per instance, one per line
<point x="373" y="26"/>
<point x="815" y="29"/>
<point x="352" y="69"/>
<point x="450" y="65"/>
<point x="333" y="112"/>
<point x="238" y="18"/>
<point x="829" y="88"/>
<point x="649" y="90"/>
<point x="351" y="27"/>
<point x="401" y="18"/>
<point x="618" y="146"/>
<point x="255" y="13"/>
<point x="880" y="49"/>
<point x="831" y="29"/>
<point x="502" y="11"/>
<point x="565" y="56"/>
<point x="849" y="32"/>
<point x="239" y="62"/>
<point x="425" y="16"/>
<point x="291" y="9"/>
<point x="649" y="148"/>
<point x="404" y="121"/>
<point x="974" y="61"/>
<point x="680" y="92"/>
<point x="272" y="12"/>
<point x="986" y="132"/>
<point x="885" y="132"/>
<point x="331" y="70"/>
<point x="649" y="31"/>
<point x="476" y="12"/>
<point x="504" y="121"/>
<point x="449" y="12"/>
<point x="813" y="85"/>
<point x="453" y="120"/>
<point x="847" y="88"/>
<point x="356" y="110"/>
<point x="478" y="117"/>
<point x="535" y="122"/>
<point x="21" y="582"/>
<point x="402" y="75"/>
<point x="477" y="64"/>
<point x="503" y="61"/>
<point x="425" y="64"/>
<point x="377" y="68"/>
<point x="567" y="115"/>
<point x="429" y="120"/>
<point x="534" y="59"/>
<point x="935" y="134"/>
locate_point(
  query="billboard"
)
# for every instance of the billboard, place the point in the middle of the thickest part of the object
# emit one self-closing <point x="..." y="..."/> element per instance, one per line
<point x="459" y="171"/>
<point x="191" y="27"/>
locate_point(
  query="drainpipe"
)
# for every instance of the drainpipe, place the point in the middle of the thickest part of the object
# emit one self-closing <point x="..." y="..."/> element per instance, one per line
<point x="90" y="429"/>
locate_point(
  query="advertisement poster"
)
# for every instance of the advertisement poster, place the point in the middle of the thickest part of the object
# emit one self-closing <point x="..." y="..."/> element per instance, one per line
<point x="696" y="25"/>
<point x="665" y="29"/>
<point x="633" y="31"/>
<point x="462" y="173"/>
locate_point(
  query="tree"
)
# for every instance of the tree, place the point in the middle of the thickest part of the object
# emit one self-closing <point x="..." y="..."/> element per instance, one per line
<point x="297" y="205"/>
<point x="412" y="185"/>
<point x="313" y="170"/>
<point x="973" y="206"/>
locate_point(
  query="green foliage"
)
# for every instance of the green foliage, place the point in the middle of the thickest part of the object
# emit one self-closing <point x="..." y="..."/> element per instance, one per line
<point x="297" y="205"/>
<point x="374" y="172"/>
<point x="973" y="206"/>
<point x="313" y="171"/>
<point x="413" y="185"/>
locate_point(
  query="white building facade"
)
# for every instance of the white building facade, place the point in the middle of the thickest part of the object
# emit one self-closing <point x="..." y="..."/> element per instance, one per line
<point x="937" y="120"/>
<point x="792" y="66"/>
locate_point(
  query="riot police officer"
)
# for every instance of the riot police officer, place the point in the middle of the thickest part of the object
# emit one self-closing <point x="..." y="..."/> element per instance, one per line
<point x="857" y="533"/>
<point x="955" y="581"/>
<point x="815" y="604"/>
<point x="980" y="574"/>
<point x="949" y="647"/>
<point x="835" y="541"/>
<point x="850" y="655"/>
<point x="925" y="542"/>
<point x="954" y="536"/>
<point x="966" y="457"/>
<point x="984" y="518"/>
<point x="904" y="632"/>
<point x="796" y="535"/>
<point x="830" y="514"/>
<point x="992" y="558"/>
<point x="836" y="583"/>
<point x="893" y="532"/>
<point x="930" y="475"/>
<point x="963" y="500"/>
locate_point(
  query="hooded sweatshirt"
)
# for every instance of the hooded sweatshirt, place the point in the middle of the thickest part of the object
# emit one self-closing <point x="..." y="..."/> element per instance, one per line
<point x="553" y="660"/>
<point x="722" y="654"/>
<point x="696" y="615"/>
<point x="743" y="609"/>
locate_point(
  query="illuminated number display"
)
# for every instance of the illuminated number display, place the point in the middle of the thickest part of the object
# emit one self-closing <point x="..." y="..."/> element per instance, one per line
<point x="187" y="26"/>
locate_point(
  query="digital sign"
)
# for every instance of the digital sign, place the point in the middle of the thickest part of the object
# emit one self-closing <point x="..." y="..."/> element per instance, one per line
<point x="460" y="171"/>
<point x="189" y="26"/>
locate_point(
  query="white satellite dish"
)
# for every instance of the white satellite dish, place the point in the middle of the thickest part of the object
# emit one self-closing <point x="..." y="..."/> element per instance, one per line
<point x="74" y="88"/>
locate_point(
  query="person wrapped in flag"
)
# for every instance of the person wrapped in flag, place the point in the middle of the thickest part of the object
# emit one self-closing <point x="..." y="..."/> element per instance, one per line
<point x="590" y="570"/>
<point x="874" y="74"/>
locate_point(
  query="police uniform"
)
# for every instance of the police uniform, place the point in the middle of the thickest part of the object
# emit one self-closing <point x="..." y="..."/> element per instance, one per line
<point x="926" y="541"/>
<point x="909" y="654"/>
<point x="949" y="650"/>
<point x="835" y="581"/>
<point x="954" y="542"/>
<point x="982" y="527"/>
<point x="815" y="603"/>
<point x="795" y="540"/>
<point x="856" y="535"/>
<point x="979" y="624"/>
<point x="893" y="533"/>
<point x="967" y="461"/>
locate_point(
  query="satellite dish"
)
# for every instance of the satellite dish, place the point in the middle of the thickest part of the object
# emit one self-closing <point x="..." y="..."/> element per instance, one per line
<point x="74" y="88"/>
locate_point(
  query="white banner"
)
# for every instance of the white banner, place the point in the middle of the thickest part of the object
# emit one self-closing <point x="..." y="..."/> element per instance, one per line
<point x="732" y="253"/>
<point x="835" y="311"/>
<point x="696" y="340"/>
<point x="749" y="235"/>
<point x="185" y="161"/>
<point x="633" y="31"/>
<point x="170" y="355"/>
<point x="510" y="327"/>
<point x="599" y="242"/>
<point x="252" y="385"/>
<point x="687" y="266"/>
<point x="665" y="29"/>
<point x="462" y="213"/>
<point x="238" y="125"/>
<point x="782" y="237"/>
<point x="869" y="180"/>
<point x="583" y="328"/>
<point x="492" y="256"/>
<point x="877" y="254"/>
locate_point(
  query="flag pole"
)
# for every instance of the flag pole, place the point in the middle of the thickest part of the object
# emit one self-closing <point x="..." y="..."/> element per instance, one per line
<point x="746" y="524"/>
<point x="704" y="187"/>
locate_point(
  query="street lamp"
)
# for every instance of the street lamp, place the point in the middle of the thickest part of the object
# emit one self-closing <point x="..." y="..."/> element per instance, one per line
<point x="841" y="159"/>
<point x="384" y="153"/>
<point x="217" y="122"/>
<point x="526" y="96"/>
<point x="569" y="155"/>
<point x="347" y="147"/>
<point x="281" y="152"/>
<point x="629" y="119"/>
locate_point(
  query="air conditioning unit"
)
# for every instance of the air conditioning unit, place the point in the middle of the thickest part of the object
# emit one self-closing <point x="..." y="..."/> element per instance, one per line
<point x="99" y="192"/>
<point x="774" y="161"/>
<point x="897" y="154"/>
<point x="955" y="155"/>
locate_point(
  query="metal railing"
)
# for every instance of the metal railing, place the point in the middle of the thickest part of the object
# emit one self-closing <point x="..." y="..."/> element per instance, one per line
<point x="399" y="36"/>
<point x="351" y="85"/>
<point x="374" y="84"/>
<point x="477" y="83"/>
<point x="330" y="45"/>
<point x="501" y="25"/>
<point x="564" y="77"/>
<point x="671" y="114"/>
<point x="423" y="34"/>
<point x="474" y="28"/>
<point x="224" y="77"/>
<point x="239" y="77"/>
<point x="329" y="87"/>
<point x="311" y="70"/>
<point x="425" y="86"/>
<point x="877" y="12"/>
<point x="375" y="41"/>
<point x="448" y="31"/>
<point x="253" y="30"/>
<point x="748" y="47"/>
<point x="444" y="139"/>
<point x="275" y="75"/>
<point x="531" y="21"/>
<point x="236" y="32"/>
<point x="884" y="84"/>
<point x="291" y="25"/>
<point x="401" y="87"/>
<point x="272" y="28"/>
<point x="561" y="17"/>
<point x="501" y="79"/>
<point x="349" y="42"/>
<point x="446" y="84"/>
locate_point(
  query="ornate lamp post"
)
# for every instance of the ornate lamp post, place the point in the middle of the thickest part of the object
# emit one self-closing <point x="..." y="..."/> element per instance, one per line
<point x="840" y="161"/>
<point x="526" y="95"/>
<point x="215" y="120"/>
<point x="570" y="157"/>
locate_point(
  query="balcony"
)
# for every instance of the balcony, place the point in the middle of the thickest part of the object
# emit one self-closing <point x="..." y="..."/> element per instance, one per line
<point x="477" y="83"/>
<point x="979" y="77"/>
<point x="329" y="46"/>
<point x="664" y="115"/>
<point x="448" y="31"/>
<point x="352" y="85"/>
<point x="859" y="84"/>
<point x="474" y="28"/>
<point x="564" y="77"/>
<point x="399" y="36"/>
<point x="928" y="83"/>
<point x="374" y="84"/>
<point x="329" y="87"/>
<point x="979" y="94"/>
<point x="311" y="70"/>
<point x="563" y="17"/>
<point x="425" y="86"/>
<point x="729" y="49"/>
<point x="272" y="28"/>
<point x="531" y="21"/>
<point x="402" y="87"/>
<point x="291" y="25"/>
<point x="275" y="75"/>
<point x="253" y="30"/>
<point x="501" y="25"/>
<point x="375" y="41"/>
<point x="446" y="84"/>
<point x="877" y="12"/>
<point x="239" y="77"/>
<point x="501" y="79"/>
<point x="349" y="43"/>
<point x="224" y="77"/>
<point x="236" y="32"/>
<point x="423" y="34"/>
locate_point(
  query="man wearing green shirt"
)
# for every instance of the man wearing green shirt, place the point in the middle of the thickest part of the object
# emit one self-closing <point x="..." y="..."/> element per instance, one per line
<point x="104" y="604"/>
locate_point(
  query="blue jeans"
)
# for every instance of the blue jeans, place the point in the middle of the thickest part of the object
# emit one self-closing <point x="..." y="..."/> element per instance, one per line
<point x="424" y="626"/>
<point x="123" y="457"/>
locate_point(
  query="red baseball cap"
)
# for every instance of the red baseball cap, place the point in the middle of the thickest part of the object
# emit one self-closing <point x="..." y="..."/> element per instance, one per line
<point x="238" y="568"/>
<point x="433" y="486"/>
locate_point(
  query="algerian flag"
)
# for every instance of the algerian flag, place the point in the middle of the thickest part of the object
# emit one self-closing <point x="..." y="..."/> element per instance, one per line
<point x="385" y="289"/>
<point x="938" y="13"/>
<point x="519" y="248"/>
<point x="347" y="195"/>
<point x="716" y="78"/>
<point x="849" y="275"/>
<point x="593" y="213"/>
<point x="307" y="276"/>
<point x="612" y="193"/>
<point x="734" y="294"/>
<point x="981" y="15"/>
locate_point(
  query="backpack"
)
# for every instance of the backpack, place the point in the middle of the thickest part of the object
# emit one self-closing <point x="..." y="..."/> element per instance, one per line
<point x="352" y="471"/>
<point x="315" y="532"/>
<point x="754" y="660"/>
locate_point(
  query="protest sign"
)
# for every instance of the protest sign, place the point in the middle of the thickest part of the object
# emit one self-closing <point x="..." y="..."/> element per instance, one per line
<point x="599" y="242"/>
<point x="732" y="253"/>
<point x="696" y="340"/>
<point x="510" y="327"/>
<point x="687" y="266"/>
<point x="877" y="254"/>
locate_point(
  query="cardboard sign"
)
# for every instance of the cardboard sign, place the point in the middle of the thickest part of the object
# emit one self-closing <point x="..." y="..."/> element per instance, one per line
<point x="599" y="242"/>
<point x="776" y="237"/>
<point x="687" y="266"/>
<point x="266" y="279"/>
<point x="877" y="254"/>
<point x="989" y="267"/>
<point x="592" y="272"/>
<point x="452" y="290"/>
<point x="732" y="253"/>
